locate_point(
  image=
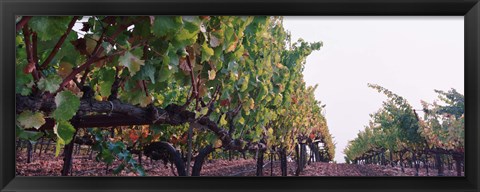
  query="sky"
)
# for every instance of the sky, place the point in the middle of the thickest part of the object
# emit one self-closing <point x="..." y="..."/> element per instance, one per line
<point x="410" y="56"/>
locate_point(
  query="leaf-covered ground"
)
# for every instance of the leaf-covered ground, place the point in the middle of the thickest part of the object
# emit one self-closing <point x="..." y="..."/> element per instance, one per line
<point x="48" y="165"/>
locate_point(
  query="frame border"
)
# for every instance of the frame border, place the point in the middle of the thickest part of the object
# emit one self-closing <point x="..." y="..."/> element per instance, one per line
<point x="470" y="9"/>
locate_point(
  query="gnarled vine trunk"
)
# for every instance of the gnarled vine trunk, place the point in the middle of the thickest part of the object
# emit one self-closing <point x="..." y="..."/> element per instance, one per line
<point x="439" y="164"/>
<point x="166" y="152"/>
<point x="260" y="162"/>
<point x="200" y="159"/>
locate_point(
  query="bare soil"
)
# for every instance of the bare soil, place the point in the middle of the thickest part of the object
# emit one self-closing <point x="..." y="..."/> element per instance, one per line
<point x="49" y="165"/>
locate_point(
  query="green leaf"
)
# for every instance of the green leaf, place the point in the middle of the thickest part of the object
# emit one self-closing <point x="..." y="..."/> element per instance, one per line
<point x="50" y="84"/>
<point x="107" y="156"/>
<point x="124" y="155"/>
<point x="21" y="78"/>
<point x="116" y="147"/>
<point x="262" y="93"/>
<point x="119" y="169"/>
<point x="140" y="98"/>
<point x="67" y="105"/>
<point x="65" y="131"/>
<point x="207" y="52"/>
<point x="28" y="135"/>
<point x="140" y="170"/>
<point x="108" y="77"/>
<point x="202" y="112"/>
<point x="49" y="27"/>
<point x="107" y="47"/>
<point x="211" y="139"/>
<point x="166" y="25"/>
<point x="58" y="146"/>
<point x="244" y="83"/>
<point x="173" y="59"/>
<point x="28" y="119"/>
<point x="191" y="23"/>
<point x="132" y="62"/>
<point x="186" y="36"/>
<point x="147" y="72"/>
<point x="142" y="29"/>
<point x="164" y="73"/>
<point x="67" y="52"/>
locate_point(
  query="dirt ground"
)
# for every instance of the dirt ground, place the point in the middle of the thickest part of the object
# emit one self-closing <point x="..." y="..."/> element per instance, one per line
<point x="49" y="165"/>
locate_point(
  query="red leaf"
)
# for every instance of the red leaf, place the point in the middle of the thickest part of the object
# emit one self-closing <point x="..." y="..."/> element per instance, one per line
<point x="133" y="136"/>
<point x="29" y="68"/>
<point x="224" y="102"/>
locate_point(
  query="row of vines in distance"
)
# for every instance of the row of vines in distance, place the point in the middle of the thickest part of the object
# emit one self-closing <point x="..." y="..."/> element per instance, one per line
<point x="396" y="133"/>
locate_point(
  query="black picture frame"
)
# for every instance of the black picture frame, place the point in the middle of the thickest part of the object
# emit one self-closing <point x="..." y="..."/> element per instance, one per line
<point x="470" y="9"/>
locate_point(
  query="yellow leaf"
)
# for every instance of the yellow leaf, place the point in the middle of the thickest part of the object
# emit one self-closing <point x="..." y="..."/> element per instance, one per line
<point x="222" y="120"/>
<point x="218" y="143"/>
<point x="211" y="74"/>
<point x="252" y="103"/>
<point x="98" y="98"/>
<point x="233" y="46"/>
<point x="241" y="120"/>
<point x="270" y="130"/>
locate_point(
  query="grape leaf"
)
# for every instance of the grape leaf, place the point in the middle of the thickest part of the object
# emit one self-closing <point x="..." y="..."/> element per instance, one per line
<point x="147" y="72"/>
<point x="65" y="69"/>
<point x="270" y="131"/>
<point x="67" y="105"/>
<point x="164" y="73"/>
<point x="50" y="84"/>
<point x="241" y="120"/>
<point x="166" y="25"/>
<point x="58" y="146"/>
<point x="214" y="40"/>
<point x="119" y="169"/>
<point x="139" y="97"/>
<point x="132" y="62"/>
<point x="28" y="119"/>
<point x="49" y="27"/>
<point x="211" y="74"/>
<point x="218" y="143"/>
<point x="223" y="121"/>
<point x="29" y="135"/>
<point x="65" y="131"/>
<point x="22" y="79"/>
<point x="207" y="52"/>
<point x="108" y="77"/>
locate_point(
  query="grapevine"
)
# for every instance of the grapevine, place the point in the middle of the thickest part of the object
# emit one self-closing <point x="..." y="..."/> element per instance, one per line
<point x="172" y="88"/>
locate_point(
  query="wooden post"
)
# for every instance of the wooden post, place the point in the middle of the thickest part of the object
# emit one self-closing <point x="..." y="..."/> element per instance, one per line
<point x="283" y="161"/>
<point x="271" y="164"/>
<point x="29" y="151"/>
<point x="189" y="155"/>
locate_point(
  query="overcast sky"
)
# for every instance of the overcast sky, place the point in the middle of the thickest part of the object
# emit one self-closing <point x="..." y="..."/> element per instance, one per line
<point x="411" y="56"/>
